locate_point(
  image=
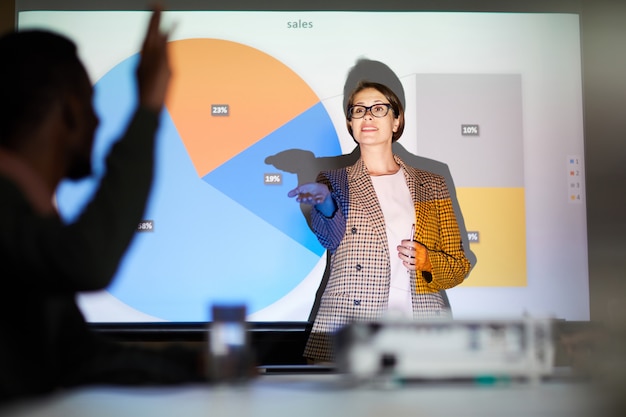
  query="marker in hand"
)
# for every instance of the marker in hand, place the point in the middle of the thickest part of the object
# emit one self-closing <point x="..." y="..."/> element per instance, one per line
<point x="408" y="271"/>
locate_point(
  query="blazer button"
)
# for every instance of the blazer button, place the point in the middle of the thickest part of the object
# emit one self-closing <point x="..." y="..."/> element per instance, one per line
<point x="353" y="230"/>
<point x="359" y="267"/>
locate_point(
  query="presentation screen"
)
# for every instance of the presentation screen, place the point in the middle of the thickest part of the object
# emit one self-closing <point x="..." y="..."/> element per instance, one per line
<point x="256" y="107"/>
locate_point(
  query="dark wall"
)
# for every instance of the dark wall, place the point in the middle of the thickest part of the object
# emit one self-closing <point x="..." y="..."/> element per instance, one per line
<point x="604" y="61"/>
<point x="7" y="15"/>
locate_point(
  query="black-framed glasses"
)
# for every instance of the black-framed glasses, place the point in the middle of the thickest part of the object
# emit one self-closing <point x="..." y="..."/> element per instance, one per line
<point x="377" y="110"/>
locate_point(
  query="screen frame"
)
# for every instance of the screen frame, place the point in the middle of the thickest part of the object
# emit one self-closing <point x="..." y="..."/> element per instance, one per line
<point x="553" y="6"/>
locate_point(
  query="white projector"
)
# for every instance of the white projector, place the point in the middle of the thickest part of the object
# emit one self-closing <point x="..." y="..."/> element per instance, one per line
<point x="446" y="349"/>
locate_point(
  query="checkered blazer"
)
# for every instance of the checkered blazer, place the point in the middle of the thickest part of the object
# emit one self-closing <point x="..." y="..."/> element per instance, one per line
<point x="358" y="285"/>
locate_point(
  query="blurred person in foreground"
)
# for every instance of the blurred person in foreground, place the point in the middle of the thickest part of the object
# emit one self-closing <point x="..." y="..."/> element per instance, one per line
<point x="47" y="126"/>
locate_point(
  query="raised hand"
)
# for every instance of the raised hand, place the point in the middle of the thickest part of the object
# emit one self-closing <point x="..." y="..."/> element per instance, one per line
<point x="153" y="71"/>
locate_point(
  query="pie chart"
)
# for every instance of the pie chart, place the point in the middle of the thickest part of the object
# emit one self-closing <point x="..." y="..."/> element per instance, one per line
<point x="223" y="228"/>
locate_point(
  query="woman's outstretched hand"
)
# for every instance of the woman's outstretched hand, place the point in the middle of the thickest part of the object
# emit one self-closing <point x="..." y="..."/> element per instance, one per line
<point x="315" y="194"/>
<point x="311" y="193"/>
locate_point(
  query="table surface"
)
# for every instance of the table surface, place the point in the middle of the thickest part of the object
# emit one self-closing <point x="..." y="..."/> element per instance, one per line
<point x="320" y="395"/>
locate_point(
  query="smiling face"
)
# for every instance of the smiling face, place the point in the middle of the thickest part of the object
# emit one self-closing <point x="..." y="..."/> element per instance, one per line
<point x="371" y="130"/>
<point x="389" y="127"/>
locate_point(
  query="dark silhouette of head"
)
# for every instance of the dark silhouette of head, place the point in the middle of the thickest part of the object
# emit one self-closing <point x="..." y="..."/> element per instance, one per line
<point x="40" y="73"/>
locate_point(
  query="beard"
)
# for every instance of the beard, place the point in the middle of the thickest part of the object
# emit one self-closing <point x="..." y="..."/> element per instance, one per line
<point x="80" y="168"/>
<point x="79" y="154"/>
